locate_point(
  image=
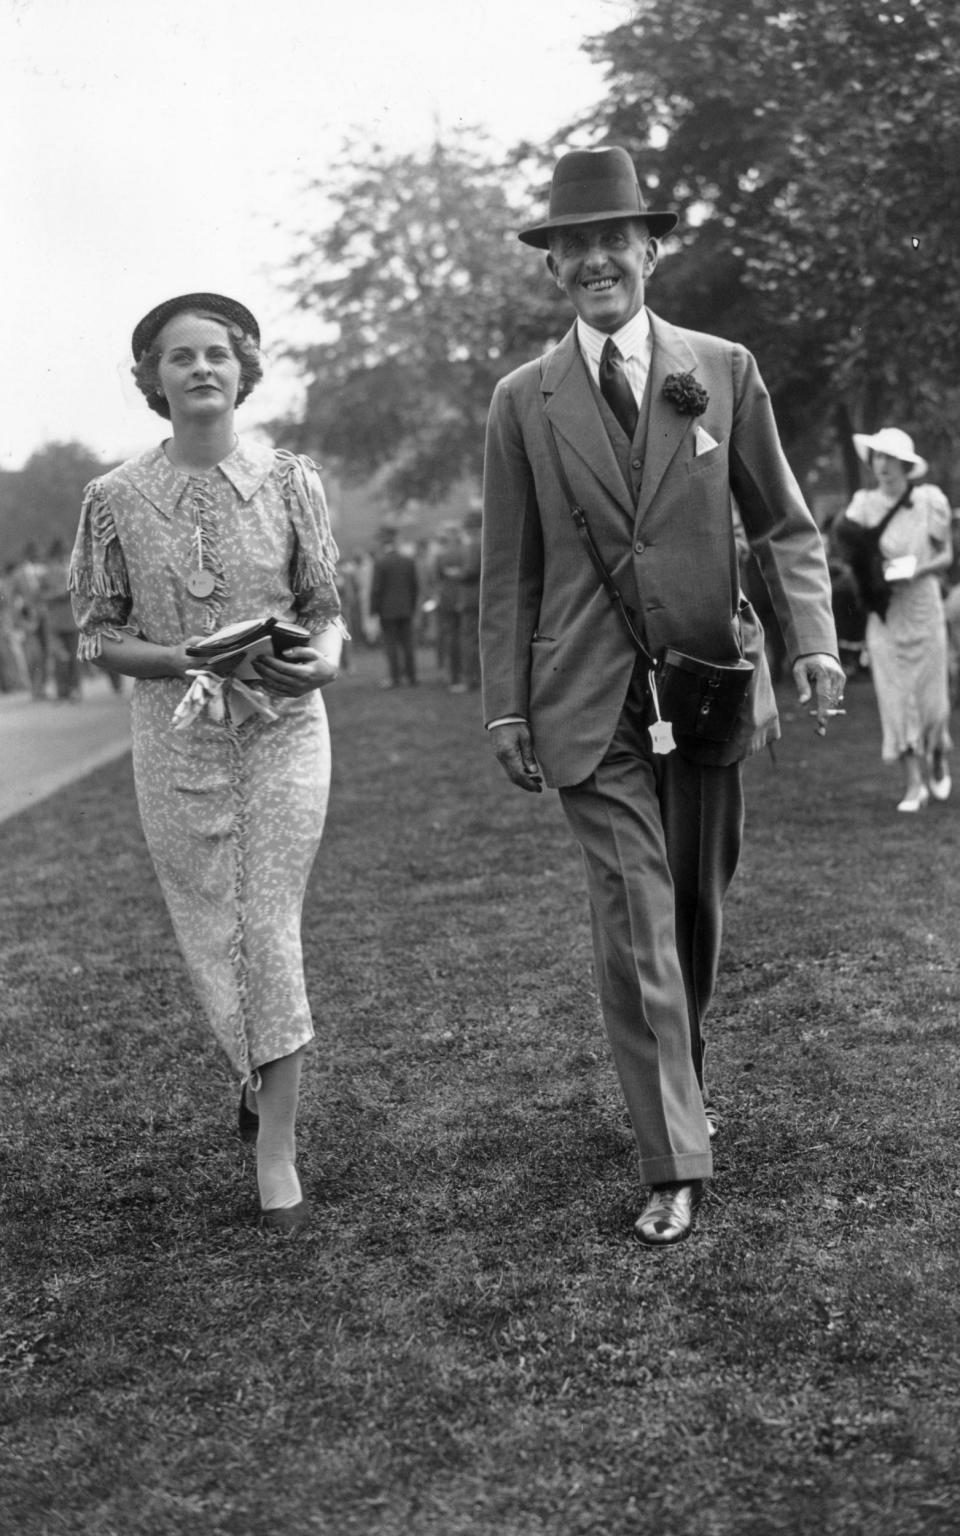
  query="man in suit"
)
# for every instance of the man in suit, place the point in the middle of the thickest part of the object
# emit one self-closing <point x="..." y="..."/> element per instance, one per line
<point x="393" y="599"/>
<point x="653" y="438"/>
<point x="469" y="599"/>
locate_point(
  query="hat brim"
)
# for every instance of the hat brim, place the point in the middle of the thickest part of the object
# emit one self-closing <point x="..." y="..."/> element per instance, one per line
<point x="149" y="328"/>
<point x="538" y="235"/>
<point x="866" y="443"/>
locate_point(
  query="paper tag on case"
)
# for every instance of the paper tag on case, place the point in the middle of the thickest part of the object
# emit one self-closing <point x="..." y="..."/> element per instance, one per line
<point x="661" y="737"/>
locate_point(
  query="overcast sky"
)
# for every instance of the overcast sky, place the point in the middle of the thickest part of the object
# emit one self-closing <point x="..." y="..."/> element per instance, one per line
<point x="151" y="147"/>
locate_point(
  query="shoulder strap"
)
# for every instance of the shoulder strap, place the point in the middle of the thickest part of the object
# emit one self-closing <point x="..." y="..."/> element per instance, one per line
<point x="586" y="538"/>
<point x="901" y="501"/>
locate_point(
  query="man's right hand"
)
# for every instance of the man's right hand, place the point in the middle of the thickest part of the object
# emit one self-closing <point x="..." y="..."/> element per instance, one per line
<point x="513" y="745"/>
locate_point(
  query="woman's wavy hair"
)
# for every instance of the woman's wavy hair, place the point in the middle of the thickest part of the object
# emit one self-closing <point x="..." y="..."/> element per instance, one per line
<point x="147" y="371"/>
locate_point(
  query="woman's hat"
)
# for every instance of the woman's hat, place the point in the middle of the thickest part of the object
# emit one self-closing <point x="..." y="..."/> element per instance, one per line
<point x="152" y="324"/>
<point x="894" y="443"/>
<point x="590" y="186"/>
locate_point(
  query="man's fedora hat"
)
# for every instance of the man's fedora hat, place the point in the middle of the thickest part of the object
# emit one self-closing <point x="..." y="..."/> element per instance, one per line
<point x="151" y="325"/>
<point x="590" y="186"/>
<point x="895" y="444"/>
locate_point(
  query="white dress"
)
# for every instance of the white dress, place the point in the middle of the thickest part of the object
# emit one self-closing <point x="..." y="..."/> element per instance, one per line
<point x="232" y="812"/>
<point x="908" y="648"/>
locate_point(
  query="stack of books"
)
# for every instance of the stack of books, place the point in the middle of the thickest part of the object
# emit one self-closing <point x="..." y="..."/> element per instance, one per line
<point x="231" y="651"/>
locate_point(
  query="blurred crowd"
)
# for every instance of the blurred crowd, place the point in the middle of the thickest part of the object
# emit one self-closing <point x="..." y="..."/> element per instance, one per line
<point x="849" y="612"/>
<point x="38" y="636"/>
<point x="411" y="593"/>
<point x="406" y="594"/>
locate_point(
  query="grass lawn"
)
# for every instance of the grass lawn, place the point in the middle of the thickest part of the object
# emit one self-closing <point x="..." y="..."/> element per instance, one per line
<point x="468" y="1342"/>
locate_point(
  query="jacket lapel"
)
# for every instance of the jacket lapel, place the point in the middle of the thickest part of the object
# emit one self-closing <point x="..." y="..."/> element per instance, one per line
<point x="572" y="411"/>
<point x="666" y="427"/>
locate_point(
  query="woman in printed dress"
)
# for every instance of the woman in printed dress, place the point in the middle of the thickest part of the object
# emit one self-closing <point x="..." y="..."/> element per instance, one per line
<point x="907" y="647"/>
<point x="231" y="779"/>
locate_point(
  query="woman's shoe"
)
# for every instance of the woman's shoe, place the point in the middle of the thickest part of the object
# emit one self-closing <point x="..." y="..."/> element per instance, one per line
<point x="248" y="1123"/>
<point x="914" y="799"/>
<point x="940" y="788"/>
<point x="285" y="1219"/>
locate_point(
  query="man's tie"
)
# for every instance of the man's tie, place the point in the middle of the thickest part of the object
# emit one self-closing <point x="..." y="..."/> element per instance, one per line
<point x="615" y="389"/>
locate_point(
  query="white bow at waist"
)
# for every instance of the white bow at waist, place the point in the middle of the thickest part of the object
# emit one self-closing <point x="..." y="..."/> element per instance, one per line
<point x="216" y="695"/>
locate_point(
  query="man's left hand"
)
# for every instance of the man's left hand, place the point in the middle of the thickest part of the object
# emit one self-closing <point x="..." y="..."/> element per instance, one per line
<point x="824" y="674"/>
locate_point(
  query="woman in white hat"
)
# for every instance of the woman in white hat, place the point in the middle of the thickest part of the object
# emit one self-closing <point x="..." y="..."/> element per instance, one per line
<point x="906" y="635"/>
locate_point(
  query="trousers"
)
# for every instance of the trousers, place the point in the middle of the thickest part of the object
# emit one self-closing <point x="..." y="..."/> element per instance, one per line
<point x="398" y="646"/>
<point x="660" y="838"/>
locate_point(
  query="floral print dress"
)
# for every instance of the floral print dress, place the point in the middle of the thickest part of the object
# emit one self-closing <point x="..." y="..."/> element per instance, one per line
<point x="232" y="808"/>
<point x="908" y="648"/>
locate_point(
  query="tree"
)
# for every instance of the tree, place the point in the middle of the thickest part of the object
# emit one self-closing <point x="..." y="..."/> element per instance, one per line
<point x="815" y="151"/>
<point x="41" y="502"/>
<point x="428" y="300"/>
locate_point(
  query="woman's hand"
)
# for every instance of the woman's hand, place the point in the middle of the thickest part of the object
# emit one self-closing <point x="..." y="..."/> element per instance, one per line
<point x="182" y="664"/>
<point x="301" y="670"/>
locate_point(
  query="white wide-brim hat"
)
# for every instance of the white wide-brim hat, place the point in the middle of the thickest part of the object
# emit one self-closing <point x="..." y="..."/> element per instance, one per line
<point x="894" y="443"/>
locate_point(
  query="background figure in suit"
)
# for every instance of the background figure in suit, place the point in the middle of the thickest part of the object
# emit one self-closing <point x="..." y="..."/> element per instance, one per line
<point x="568" y="700"/>
<point x="446" y="575"/>
<point x="61" y="625"/>
<point x="393" y="600"/>
<point x="468" y="600"/>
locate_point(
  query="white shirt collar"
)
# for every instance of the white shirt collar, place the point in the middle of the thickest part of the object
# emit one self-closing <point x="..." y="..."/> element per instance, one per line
<point x="632" y="339"/>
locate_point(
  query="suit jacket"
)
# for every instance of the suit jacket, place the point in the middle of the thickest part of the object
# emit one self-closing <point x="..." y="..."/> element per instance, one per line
<point x="395" y="587"/>
<point x="554" y="650"/>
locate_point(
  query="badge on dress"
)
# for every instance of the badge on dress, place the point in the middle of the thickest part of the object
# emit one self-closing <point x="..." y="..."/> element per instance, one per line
<point x="201" y="583"/>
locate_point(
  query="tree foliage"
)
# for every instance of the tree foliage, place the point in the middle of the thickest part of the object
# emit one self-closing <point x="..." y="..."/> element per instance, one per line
<point x="41" y="502"/>
<point x="815" y="151"/>
<point x="428" y="300"/>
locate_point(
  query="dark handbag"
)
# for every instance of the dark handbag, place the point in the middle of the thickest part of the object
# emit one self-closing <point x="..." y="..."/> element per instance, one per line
<point x="861" y="549"/>
<point x="702" y="699"/>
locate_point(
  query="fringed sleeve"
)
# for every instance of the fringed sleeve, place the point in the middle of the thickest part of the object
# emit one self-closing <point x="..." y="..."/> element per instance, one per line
<point x="314" y="565"/>
<point x="99" y="586"/>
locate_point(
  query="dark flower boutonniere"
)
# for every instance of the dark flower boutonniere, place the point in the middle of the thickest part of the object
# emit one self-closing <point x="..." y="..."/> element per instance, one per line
<point x="685" y="394"/>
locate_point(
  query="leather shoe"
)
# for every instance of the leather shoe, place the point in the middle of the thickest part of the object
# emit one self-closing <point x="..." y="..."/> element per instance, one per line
<point x="248" y="1123"/>
<point x="286" y="1220"/>
<point x="940" y="788"/>
<point x="669" y="1213"/>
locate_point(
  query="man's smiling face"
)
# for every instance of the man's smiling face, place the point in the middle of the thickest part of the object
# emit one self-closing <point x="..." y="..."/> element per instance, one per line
<point x="602" y="268"/>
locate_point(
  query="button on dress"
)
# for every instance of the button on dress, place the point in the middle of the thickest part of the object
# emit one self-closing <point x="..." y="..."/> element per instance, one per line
<point x="232" y="809"/>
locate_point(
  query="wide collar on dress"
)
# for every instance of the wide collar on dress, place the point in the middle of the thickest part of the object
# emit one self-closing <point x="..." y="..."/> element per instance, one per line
<point x="152" y="474"/>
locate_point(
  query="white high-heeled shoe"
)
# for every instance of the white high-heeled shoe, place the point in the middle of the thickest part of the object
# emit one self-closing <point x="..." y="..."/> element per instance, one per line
<point x="940" y="788"/>
<point x="914" y="799"/>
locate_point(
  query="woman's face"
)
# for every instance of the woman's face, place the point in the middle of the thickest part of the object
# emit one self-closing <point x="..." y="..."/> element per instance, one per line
<point x="199" y="371"/>
<point x="891" y="474"/>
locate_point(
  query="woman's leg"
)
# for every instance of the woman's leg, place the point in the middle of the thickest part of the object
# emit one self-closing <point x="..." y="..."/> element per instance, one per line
<point x="940" y="781"/>
<point x="914" y="771"/>
<point x="915" y="792"/>
<point x="276" y="1103"/>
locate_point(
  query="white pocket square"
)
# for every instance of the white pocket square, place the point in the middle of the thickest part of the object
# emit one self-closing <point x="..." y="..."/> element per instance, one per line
<point x="703" y="442"/>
